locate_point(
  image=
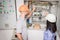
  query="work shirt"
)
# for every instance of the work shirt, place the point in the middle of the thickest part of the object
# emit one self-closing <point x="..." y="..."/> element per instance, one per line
<point x="48" y="35"/>
<point x="22" y="28"/>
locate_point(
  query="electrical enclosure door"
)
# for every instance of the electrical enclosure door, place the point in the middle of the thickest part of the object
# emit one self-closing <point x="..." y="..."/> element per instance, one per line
<point x="7" y="14"/>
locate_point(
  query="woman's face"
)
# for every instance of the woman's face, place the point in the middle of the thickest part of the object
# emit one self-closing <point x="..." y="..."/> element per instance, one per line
<point x="24" y="12"/>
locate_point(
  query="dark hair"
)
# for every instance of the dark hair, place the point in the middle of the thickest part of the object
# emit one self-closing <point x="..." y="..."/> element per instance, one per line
<point x="51" y="26"/>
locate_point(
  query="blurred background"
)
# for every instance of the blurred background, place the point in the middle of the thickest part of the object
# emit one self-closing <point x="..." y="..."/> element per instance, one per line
<point x="9" y="15"/>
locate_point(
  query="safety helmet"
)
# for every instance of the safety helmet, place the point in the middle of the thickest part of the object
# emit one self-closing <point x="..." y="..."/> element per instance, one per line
<point x="51" y="18"/>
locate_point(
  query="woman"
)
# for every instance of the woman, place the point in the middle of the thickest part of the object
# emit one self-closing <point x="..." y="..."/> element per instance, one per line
<point x="51" y="27"/>
<point x="21" y="29"/>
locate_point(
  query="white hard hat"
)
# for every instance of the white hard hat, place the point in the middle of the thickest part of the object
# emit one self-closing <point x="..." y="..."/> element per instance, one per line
<point x="51" y="18"/>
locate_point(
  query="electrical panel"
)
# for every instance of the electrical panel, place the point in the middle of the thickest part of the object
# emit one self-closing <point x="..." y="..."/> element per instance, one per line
<point x="41" y="8"/>
<point x="7" y="14"/>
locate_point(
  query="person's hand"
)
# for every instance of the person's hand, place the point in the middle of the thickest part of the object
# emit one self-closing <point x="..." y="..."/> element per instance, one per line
<point x="33" y="8"/>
